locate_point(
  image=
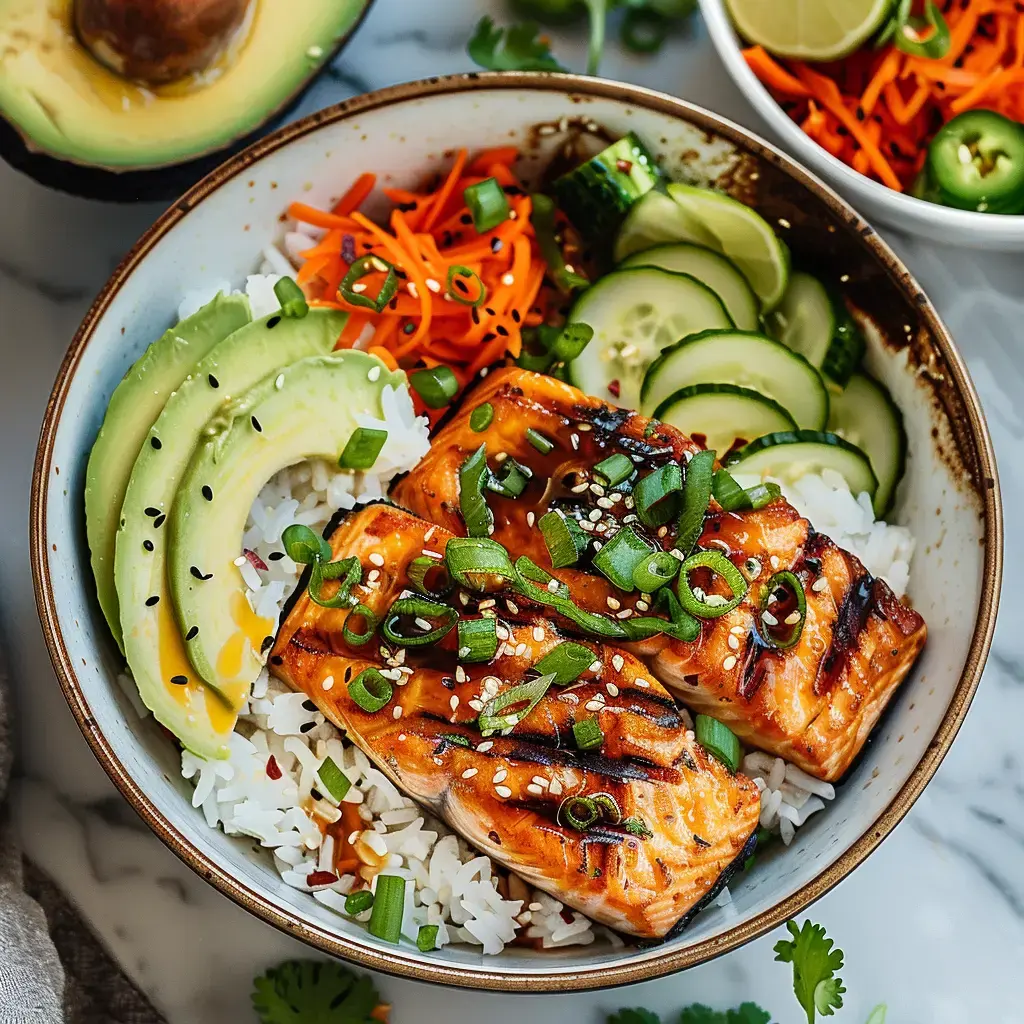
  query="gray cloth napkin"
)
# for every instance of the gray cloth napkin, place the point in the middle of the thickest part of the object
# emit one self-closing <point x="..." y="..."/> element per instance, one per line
<point x="53" y="970"/>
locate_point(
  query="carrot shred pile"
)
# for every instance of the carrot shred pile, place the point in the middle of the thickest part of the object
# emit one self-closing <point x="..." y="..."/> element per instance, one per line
<point x="877" y="110"/>
<point x="429" y="232"/>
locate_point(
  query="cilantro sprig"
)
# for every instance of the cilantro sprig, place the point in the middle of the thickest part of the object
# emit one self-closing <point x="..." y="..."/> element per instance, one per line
<point x="314" y="992"/>
<point x="519" y="47"/>
<point x="816" y="962"/>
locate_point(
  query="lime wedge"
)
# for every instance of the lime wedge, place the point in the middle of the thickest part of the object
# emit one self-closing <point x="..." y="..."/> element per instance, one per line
<point x="815" y="30"/>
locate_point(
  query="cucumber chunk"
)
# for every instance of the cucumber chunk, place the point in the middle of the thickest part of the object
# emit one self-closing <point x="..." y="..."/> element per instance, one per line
<point x="654" y="220"/>
<point x="790" y="455"/>
<point x="635" y="314"/>
<point x="722" y="414"/>
<point x="741" y="234"/>
<point x="865" y="415"/>
<point x="747" y="360"/>
<point x="711" y="268"/>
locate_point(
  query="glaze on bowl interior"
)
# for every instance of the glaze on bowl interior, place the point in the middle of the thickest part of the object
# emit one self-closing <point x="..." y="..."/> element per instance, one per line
<point x="949" y="497"/>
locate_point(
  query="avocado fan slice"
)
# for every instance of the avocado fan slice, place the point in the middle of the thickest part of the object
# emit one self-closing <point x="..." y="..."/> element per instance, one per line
<point x="309" y="411"/>
<point x="197" y="714"/>
<point x="133" y="407"/>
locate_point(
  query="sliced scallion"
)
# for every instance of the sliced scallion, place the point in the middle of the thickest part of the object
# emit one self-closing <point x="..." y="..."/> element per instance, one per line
<point x="719" y="741"/>
<point x="487" y="204"/>
<point x="700" y="471"/>
<point x="334" y="782"/>
<point x="426" y="938"/>
<point x="503" y="713"/>
<point x="564" y="539"/>
<point x="479" y="564"/>
<point x="542" y="218"/>
<point x="612" y="471"/>
<point x="347" y="572"/>
<point x="734" y="498"/>
<point x="784" y="599"/>
<point x="371" y="691"/>
<point x="480" y="418"/>
<point x="358" y="902"/>
<point x="363" y="267"/>
<point x="424" y="613"/>
<point x="620" y="557"/>
<point x="578" y="812"/>
<point x="511" y="479"/>
<point x="473" y="475"/>
<point x="539" y="441"/>
<point x="657" y="495"/>
<point x="304" y="546"/>
<point x="388" y="908"/>
<point x="609" y="807"/>
<point x="474" y="294"/>
<point x="638" y="827"/>
<point x="429" y="576"/>
<point x="566" y="662"/>
<point x="362" y="448"/>
<point x="655" y="571"/>
<point x="571" y="341"/>
<point x="705" y="605"/>
<point x="587" y="734"/>
<point x="289" y="294"/>
<point x="437" y="385"/>
<point x="350" y="635"/>
<point x="478" y="640"/>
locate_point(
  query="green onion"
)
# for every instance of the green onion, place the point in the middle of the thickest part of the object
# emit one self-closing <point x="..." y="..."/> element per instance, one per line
<point x="371" y="691"/>
<point x="571" y="341"/>
<point x="578" y="812"/>
<point x="608" y="806"/>
<point x="426" y="938"/>
<point x="422" y="609"/>
<point x="495" y="715"/>
<point x="361" y="268"/>
<point x="480" y="418"/>
<point x="719" y="741"/>
<point x="429" y="576"/>
<point x="638" y="827"/>
<point x="587" y="734"/>
<point x="473" y="474"/>
<point x="613" y="470"/>
<point x="458" y="290"/>
<point x="333" y="780"/>
<point x="289" y="294"/>
<point x="350" y="636"/>
<point x="362" y="448"/>
<point x="781" y="633"/>
<point x="620" y="556"/>
<point x="487" y="203"/>
<point x="539" y="441"/>
<point x="700" y="471"/>
<point x="347" y="571"/>
<point x="304" y="546"/>
<point x="542" y="218"/>
<point x="478" y="639"/>
<point x="734" y="498"/>
<point x="683" y="625"/>
<point x="566" y="662"/>
<point x="358" y="902"/>
<point x="511" y="479"/>
<point x="564" y="539"/>
<point x="456" y="738"/>
<point x="479" y="564"/>
<point x="653" y="572"/>
<point x="710" y="606"/>
<point x="437" y="386"/>
<point x="388" y="908"/>
<point x="656" y="495"/>
<point x="927" y="37"/>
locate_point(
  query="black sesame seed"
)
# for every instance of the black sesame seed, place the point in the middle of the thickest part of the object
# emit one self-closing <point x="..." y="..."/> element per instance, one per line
<point x="152" y="512"/>
<point x="273" y="322"/>
<point x="150" y="601"/>
<point x="489" y="311"/>
<point x="180" y="680"/>
<point x="489" y="336"/>
<point x="192" y="633"/>
<point x="214" y="383"/>
<point x="159" y="521"/>
<point x="309" y="705"/>
<point x="207" y="492"/>
<point x="307" y="726"/>
<point x="256" y="425"/>
<point x="275" y="556"/>
<point x="316" y="794"/>
<point x="466" y="219"/>
<point x="155" y="442"/>
<point x="475" y="314"/>
<point x="268" y="642"/>
<point x="199" y="575"/>
<point x="277" y="660"/>
<point x="516" y="317"/>
<point x="461" y="285"/>
<point x="503" y="331"/>
<point x="148" y="545"/>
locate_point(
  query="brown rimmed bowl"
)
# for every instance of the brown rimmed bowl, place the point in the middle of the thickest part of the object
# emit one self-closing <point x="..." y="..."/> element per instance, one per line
<point x="949" y="497"/>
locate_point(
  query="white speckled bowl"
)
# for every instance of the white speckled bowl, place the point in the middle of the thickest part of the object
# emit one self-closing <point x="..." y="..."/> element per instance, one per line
<point x="927" y="220"/>
<point x="950" y="495"/>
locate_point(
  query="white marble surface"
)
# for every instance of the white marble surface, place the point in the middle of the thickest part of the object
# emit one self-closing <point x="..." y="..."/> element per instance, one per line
<point x="933" y="923"/>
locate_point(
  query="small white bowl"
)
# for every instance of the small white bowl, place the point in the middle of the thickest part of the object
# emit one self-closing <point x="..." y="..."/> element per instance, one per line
<point x="903" y="212"/>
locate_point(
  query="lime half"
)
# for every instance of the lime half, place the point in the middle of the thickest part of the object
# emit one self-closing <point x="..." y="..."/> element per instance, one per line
<point x="815" y="30"/>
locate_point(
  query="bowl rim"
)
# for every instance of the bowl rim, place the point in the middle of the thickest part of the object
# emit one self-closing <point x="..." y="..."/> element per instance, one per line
<point x="1005" y="227"/>
<point x="400" y="962"/>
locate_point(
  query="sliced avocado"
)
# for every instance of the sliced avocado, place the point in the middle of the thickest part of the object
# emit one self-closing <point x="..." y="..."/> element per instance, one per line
<point x="63" y="102"/>
<point x="199" y="716"/>
<point x="132" y="410"/>
<point x="307" y="412"/>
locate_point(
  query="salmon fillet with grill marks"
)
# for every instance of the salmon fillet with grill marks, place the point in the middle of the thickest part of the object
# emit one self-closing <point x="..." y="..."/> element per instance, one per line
<point x="814" y="704"/>
<point x="503" y="793"/>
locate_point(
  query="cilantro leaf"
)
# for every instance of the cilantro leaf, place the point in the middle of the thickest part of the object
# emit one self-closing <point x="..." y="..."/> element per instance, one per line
<point x="815" y="964"/>
<point x="314" y="992"/>
<point x="634" y="1016"/>
<point x="748" y="1013"/>
<point x="519" y="47"/>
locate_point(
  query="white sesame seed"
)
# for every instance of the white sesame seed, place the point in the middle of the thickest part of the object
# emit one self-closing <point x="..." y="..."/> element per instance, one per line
<point x="614" y="604"/>
<point x="642" y="683"/>
<point x="642" y="606"/>
<point x="587" y="525"/>
<point x="476" y="705"/>
<point x="241" y="560"/>
<point x="279" y="383"/>
<point x="359" y="287"/>
<point x="485" y="746"/>
<point x="553" y="585"/>
<point x="595" y="514"/>
<point x="792" y="619"/>
<point x="604" y="503"/>
<point x="489" y="603"/>
<point x="613" y="690"/>
<point x="376" y="558"/>
<point x="411" y="289"/>
<point x="534" y="789"/>
<point x="433" y="285"/>
<point x="438" y="760"/>
<point x="454" y="702"/>
<point x="373" y="373"/>
<point x="730" y="663"/>
<point x="594" y="705"/>
<point x="819" y="585"/>
<point x="734" y="643"/>
<point x="465" y="652"/>
<point x="595" y="666"/>
<point x="460" y="674"/>
<point x="508" y="280"/>
<point x="328" y="682"/>
<point x="555" y="789"/>
<point x="768" y="619"/>
<point x="539" y="780"/>
<point x="430" y="533"/>
<point x="574" y="440"/>
<point x="530" y="519"/>
<point x="372" y="575"/>
<point x="513" y="608"/>
<point x="520" y="649"/>
<point x="503" y="791"/>
<point x="502" y="632"/>
<point x="738" y="630"/>
<point x="624" y="614"/>
<point x="401" y="737"/>
<point x="469" y="773"/>
<point x="774" y="561"/>
<point x="397" y="713"/>
<point x="432" y="554"/>
<point x="422" y="623"/>
<point x="617" y="662"/>
<point x="538" y="633"/>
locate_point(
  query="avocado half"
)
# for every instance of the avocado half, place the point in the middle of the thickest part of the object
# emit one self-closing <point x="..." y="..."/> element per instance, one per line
<point x="71" y="123"/>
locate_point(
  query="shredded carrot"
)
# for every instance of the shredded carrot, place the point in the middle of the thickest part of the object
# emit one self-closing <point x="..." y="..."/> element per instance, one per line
<point x="774" y="74"/>
<point x="356" y="195"/>
<point x="498" y="155"/>
<point x="445" y="191"/>
<point x="318" y="218"/>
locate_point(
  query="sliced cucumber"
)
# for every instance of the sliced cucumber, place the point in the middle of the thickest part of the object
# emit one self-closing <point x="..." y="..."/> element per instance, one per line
<point x="792" y="454"/>
<point x="711" y="268"/>
<point x="748" y="360"/>
<point x="814" y="321"/>
<point x="741" y="234"/>
<point x="865" y="415"/>
<point x="597" y="195"/>
<point x="654" y="220"/>
<point x="721" y="414"/>
<point x="635" y="314"/>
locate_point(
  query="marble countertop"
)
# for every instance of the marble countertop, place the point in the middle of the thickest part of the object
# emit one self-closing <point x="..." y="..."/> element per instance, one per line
<point x="933" y="923"/>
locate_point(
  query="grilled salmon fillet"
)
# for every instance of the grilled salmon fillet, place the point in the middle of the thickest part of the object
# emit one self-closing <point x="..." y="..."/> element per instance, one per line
<point x="814" y="704"/>
<point x="676" y="819"/>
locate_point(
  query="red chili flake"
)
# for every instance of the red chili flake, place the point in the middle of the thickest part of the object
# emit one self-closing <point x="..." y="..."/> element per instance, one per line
<point x="321" y="878"/>
<point x="255" y="560"/>
<point x="614" y="388"/>
<point x="273" y="768"/>
<point x="625" y="166"/>
<point x="566" y="915"/>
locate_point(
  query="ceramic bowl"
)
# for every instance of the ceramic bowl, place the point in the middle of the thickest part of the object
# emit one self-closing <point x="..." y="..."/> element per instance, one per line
<point x="903" y="212"/>
<point x="949" y="497"/>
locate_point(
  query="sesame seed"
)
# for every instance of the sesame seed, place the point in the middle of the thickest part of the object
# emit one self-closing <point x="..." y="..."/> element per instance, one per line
<point x="662" y="531"/>
<point x="433" y="285"/>
<point x="359" y="287"/>
<point x="401" y="737"/>
<point x="604" y="503"/>
<point x="513" y="608"/>
<point x="469" y="773"/>
<point x="411" y="289"/>
<point x="431" y="554"/>
<point x="503" y="791"/>
<point x="624" y="614"/>
<point x="460" y="674"/>
<point x="734" y="643"/>
<point x="819" y="585"/>
<point x="595" y="514"/>
<point x="489" y="603"/>
<point x="614" y="604"/>
<point x="503" y="633"/>
<point x="476" y="705"/>
<point x="774" y="561"/>
<point x="553" y="585"/>
<point x="376" y="559"/>
<point x="328" y="682"/>
<point x="594" y="705"/>
<point x="372" y="575"/>
<point x="438" y="760"/>
<point x="539" y="780"/>
<point x="738" y="630"/>
<point x="783" y="223"/>
<point x="555" y="789"/>
<point x="500" y="776"/>
<point x="730" y="663"/>
<point x="579" y="488"/>
<point x="642" y="606"/>
<point x="508" y="280"/>
<point x="485" y="746"/>
<point x="279" y="383"/>
<point x="574" y="439"/>
<point x="241" y="560"/>
<point x="430" y="533"/>
<point x="397" y="713"/>
<point x="464" y="652"/>
<point x="642" y="683"/>
<point x="373" y="374"/>
<point x="595" y="666"/>
<point x="792" y="619"/>
<point x="768" y="619"/>
<point x="617" y="662"/>
<point x="530" y="519"/>
<point x="422" y="623"/>
<point x="454" y="702"/>
<point x="613" y="690"/>
<point x="538" y="633"/>
<point x="535" y="790"/>
<point x="520" y="649"/>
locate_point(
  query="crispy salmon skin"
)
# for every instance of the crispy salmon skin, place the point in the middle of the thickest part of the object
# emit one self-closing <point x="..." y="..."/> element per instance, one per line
<point x="673" y="820"/>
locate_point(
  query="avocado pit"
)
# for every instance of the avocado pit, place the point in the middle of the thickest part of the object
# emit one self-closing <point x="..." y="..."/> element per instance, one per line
<point x="158" y="41"/>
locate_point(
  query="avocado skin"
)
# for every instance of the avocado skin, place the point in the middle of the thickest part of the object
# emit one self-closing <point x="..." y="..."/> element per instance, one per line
<point x="158" y="184"/>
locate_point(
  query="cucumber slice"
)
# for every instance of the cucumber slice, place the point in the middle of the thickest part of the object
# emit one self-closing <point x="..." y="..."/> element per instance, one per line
<point x="721" y="414"/>
<point x="597" y="195"/>
<point x="865" y="415"/>
<point x="635" y="314"/>
<point x="790" y="455"/>
<point x="741" y="234"/>
<point x="748" y="360"/>
<point x="814" y="321"/>
<point x="654" y="220"/>
<point x="711" y="268"/>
